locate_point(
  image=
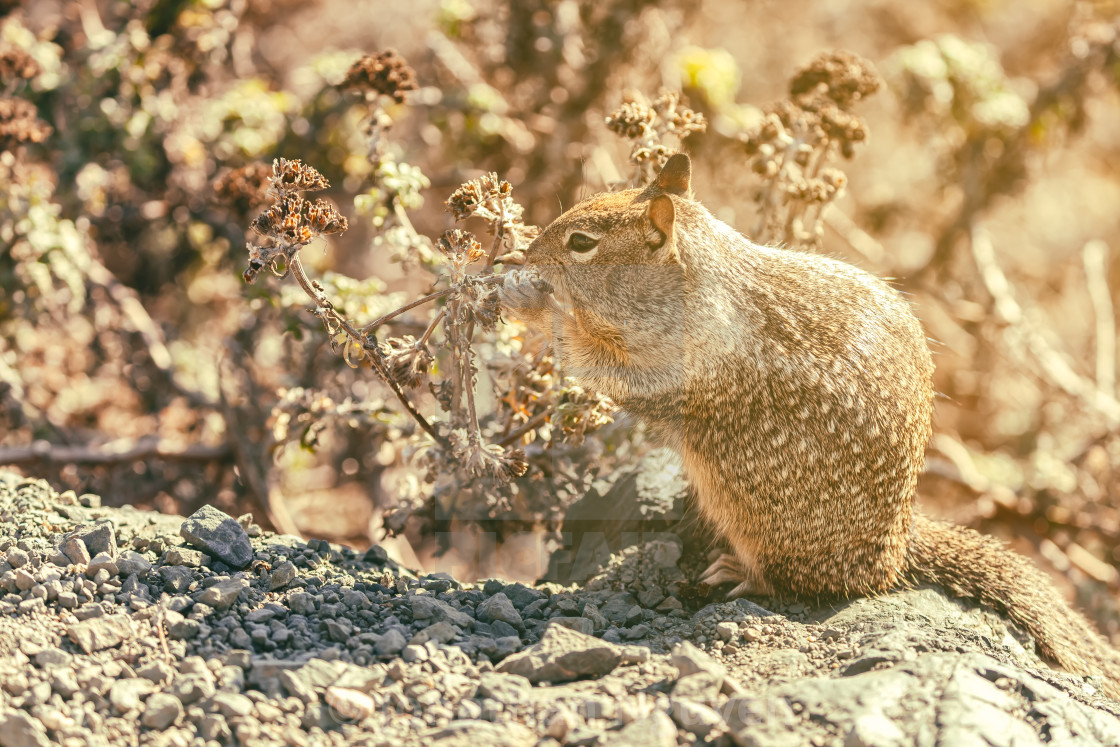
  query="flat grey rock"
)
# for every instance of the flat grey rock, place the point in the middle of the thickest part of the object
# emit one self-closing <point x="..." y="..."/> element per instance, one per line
<point x="562" y="655"/>
<point x="100" y="633"/>
<point x="218" y="534"/>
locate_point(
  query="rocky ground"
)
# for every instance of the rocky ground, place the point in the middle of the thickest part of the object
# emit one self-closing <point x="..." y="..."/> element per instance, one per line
<point x="125" y="627"/>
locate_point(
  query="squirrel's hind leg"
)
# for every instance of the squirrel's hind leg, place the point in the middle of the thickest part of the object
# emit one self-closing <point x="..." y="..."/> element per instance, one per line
<point x="730" y="568"/>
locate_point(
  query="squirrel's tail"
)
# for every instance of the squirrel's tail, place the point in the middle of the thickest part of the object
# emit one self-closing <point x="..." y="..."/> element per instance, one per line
<point x="973" y="565"/>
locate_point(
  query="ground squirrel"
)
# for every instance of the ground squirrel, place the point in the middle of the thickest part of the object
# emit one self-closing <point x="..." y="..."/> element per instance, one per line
<point x="798" y="391"/>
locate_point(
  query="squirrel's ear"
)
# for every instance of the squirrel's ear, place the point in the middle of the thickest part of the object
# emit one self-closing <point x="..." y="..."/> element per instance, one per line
<point x="676" y="175"/>
<point x="662" y="215"/>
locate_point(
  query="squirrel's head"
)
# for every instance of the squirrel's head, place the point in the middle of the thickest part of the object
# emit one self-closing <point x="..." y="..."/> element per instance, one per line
<point x="617" y="243"/>
<point x="614" y="264"/>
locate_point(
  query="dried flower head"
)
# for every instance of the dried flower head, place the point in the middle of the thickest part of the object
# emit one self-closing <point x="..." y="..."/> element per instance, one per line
<point x="458" y="245"/>
<point x="798" y="137"/>
<point x="17" y="64"/>
<point x="408" y="361"/>
<point x="647" y="126"/>
<point x="295" y="176"/>
<point x="487" y="460"/>
<point x="243" y="188"/>
<point x="294" y="220"/>
<point x="487" y="196"/>
<point x="291" y="222"/>
<point x="841" y="76"/>
<point x="385" y="74"/>
<point x="632" y="120"/>
<point x="20" y="123"/>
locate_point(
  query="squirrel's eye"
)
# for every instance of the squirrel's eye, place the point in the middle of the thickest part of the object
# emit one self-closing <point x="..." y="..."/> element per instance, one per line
<point x="581" y="242"/>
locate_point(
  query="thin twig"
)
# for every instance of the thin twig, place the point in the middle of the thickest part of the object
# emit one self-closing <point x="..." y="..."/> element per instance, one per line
<point x="531" y="425"/>
<point x="44" y="452"/>
<point x="368" y="345"/>
<point x="1095" y="256"/>
<point x="432" y="327"/>
<point x="386" y="317"/>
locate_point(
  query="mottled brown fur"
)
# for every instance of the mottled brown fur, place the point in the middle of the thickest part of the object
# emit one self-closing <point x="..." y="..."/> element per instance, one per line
<point x="797" y="390"/>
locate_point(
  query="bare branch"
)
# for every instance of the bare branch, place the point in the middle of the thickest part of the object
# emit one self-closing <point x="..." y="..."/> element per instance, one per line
<point x="44" y="452"/>
<point x="1095" y="256"/>
<point x="1052" y="362"/>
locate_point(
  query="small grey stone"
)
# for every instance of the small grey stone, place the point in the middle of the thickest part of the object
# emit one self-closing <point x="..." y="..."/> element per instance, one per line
<point x="297" y="687"/>
<point x="509" y="689"/>
<point x="28" y="606"/>
<point x="52" y="657"/>
<point x="468" y="709"/>
<point x="282" y="575"/>
<point x="412" y="653"/>
<point x="100" y="633"/>
<point x="184" y="556"/>
<point x="427" y="607"/>
<point x="184" y="629"/>
<point x="578" y="624"/>
<point x="695" y="718"/>
<point x="19" y="729"/>
<point x="161" y="711"/>
<point x="504" y="646"/>
<point x="17" y="558"/>
<point x="98" y="538"/>
<point x="441" y="632"/>
<point x="703" y="687"/>
<point x="499" y="607"/>
<point x="64" y="682"/>
<point x="67" y="600"/>
<point x="75" y="550"/>
<point x="176" y="579"/>
<point x="156" y="672"/>
<point x="219" y="535"/>
<point x="213" y="727"/>
<point x="726" y="630"/>
<point x="390" y="643"/>
<point x="232" y="705"/>
<point x="221" y="595"/>
<point x="101" y="561"/>
<point x="655" y="730"/>
<point x="689" y="660"/>
<point x="522" y="596"/>
<point x="125" y="694"/>
<point x="24" y="580"/>
<point x="190" y="688"/>
<point x="650" y="598"/>
<point x="302" y="603"/>
<point x="131" y="562"/>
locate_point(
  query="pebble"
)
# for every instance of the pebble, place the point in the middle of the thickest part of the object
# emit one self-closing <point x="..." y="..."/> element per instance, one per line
<point x="349" y="705"/>
<point x="75" y="550"/>
<point x="100" y="633"/>
<point x="161" y="710"/>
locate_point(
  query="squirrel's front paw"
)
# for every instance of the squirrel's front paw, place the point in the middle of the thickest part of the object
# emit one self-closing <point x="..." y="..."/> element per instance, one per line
<point x="522" y="290"/>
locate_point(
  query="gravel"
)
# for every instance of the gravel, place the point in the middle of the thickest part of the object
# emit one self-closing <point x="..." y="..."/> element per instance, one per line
<point x="122" y="627"/>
